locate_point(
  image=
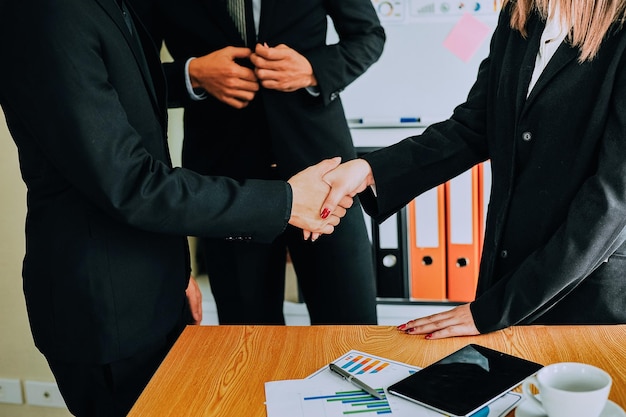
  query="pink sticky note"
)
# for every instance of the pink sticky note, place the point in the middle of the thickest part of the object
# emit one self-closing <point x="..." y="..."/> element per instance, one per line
<point x="466" y="37"/>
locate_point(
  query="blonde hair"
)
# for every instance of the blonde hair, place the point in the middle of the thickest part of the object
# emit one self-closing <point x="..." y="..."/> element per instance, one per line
<point x="590" y="20"/>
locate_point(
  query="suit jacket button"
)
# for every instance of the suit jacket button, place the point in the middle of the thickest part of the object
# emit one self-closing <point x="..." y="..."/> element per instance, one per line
<point x="504" y="254"/>
<point x="527" y="136"/>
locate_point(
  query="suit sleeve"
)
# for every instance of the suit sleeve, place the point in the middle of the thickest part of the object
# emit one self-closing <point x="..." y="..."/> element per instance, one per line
<point x="416" y="164"/>
<point x="444" y="150"/>
<point x="85" y="124"/>
<point x="361" y="41"/>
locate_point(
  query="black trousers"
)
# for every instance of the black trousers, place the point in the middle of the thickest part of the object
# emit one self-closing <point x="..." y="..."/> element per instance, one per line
<point x="335" y="276"/>
<point x="109" y="390"/>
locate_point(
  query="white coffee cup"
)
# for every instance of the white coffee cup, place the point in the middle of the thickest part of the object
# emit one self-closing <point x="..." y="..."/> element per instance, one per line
<point x="569" y="389"/>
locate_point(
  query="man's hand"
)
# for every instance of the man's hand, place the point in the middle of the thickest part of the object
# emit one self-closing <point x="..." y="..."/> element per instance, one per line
<point x="455" y="322"/>
<point x="309" y="191"/>
<point x="194" y="297"/>
<point x="223" y="78"/>
<point x="282" y="68"/>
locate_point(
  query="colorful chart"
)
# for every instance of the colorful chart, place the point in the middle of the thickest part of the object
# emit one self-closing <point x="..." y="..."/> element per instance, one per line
<point x="354" y="402"/>
<point x="361" y="364"/>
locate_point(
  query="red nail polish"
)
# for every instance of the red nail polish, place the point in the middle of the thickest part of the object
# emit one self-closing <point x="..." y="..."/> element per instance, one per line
<point x="402" y="326"/>
<point x="428" y="336"/>
<point x="325" y="213"/>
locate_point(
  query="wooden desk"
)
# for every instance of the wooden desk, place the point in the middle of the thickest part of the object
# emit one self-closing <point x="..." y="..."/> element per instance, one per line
<point x="221" y="370"/>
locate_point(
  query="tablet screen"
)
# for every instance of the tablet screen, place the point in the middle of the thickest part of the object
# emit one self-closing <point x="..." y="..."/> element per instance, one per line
<point x="465" y="381"/>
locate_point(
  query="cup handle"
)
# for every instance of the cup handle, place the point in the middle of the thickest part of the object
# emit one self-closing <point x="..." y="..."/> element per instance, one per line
<point x="528" y="382"/>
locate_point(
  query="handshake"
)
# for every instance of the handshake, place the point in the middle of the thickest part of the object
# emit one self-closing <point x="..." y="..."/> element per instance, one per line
<point x="324" y="192"/>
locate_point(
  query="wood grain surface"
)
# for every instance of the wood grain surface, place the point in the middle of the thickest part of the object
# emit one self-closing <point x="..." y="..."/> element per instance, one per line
<point x="221" y="370"/>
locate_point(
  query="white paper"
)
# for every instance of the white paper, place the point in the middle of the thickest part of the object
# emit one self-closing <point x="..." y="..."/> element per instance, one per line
<point x="324" y="394"/>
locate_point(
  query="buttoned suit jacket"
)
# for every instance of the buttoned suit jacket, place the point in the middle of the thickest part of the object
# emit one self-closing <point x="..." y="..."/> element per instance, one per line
<point x="300" y="129"/>
<point x="106" y="262"/>
<point x="554" y="248"/>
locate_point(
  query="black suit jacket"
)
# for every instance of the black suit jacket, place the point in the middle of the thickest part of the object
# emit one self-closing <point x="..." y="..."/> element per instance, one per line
<point x="294" y="129"/>
<point x="106" y="262"/>
<point x="554" y="248"/>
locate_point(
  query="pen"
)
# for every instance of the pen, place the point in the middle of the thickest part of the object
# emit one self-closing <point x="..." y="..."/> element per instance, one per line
<point x="351" y="378"/>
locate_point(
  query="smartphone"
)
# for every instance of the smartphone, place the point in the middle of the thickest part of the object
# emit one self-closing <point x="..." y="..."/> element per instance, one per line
<point x="465" y="381"/>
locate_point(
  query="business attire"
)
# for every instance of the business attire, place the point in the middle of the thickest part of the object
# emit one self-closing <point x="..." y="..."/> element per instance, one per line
<point x="554" y="248"/>
<point x="276" y="135"/>
<point x="107" y="261"/>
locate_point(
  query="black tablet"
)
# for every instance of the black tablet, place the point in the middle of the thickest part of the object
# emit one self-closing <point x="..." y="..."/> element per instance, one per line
<point x="465" y="381"/>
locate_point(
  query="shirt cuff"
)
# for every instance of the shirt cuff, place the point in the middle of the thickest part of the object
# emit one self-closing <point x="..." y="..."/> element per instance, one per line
<point x="314" y="91"/>
<point x="195" y="94"/>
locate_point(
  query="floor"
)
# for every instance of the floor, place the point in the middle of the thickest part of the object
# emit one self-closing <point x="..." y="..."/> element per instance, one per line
<point x="296" y="314"/>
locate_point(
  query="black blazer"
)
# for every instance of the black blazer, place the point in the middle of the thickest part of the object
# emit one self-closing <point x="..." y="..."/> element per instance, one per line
<point x="106" y="262"/>
<point x="554" y="248"/>
<point x="301" y="129"/>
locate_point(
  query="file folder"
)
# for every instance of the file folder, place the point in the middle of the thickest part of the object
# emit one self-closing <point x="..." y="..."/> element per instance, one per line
<point x="427" y="245"/>
<point x="463" y="216"/>
<point x="389" y="246"/>
<point x="389" y="242"/>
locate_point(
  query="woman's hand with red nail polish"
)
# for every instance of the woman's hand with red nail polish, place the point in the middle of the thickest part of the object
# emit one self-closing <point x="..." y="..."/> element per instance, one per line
<point x="455" y="322"/>
<point x="308" y="193"/>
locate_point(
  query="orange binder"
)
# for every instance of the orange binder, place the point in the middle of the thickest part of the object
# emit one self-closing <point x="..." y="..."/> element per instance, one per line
<point x="463" y="217"/>
<point x="427" y="245"/>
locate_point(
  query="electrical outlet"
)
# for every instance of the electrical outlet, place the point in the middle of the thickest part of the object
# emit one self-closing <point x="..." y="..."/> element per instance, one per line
<point x="44" y="394"/>
<point x="10" y="391"/>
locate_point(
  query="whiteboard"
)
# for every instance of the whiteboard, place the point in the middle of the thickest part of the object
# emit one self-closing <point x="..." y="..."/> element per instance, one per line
<point x="428" y="64"/>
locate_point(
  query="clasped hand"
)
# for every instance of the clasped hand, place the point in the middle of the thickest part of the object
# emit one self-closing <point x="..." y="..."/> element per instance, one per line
<point x="322" y="194"/>
<point x="221" y="74"/>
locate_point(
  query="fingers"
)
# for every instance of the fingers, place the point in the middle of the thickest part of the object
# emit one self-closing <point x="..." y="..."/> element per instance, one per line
<point x="332" y="202"/>
<point x="194" y="297"/>
<point x="238" y="52"/>
<point x="271" y="54"/>
<point x="455" y="322"/>
<point x="347" y="179"/>
<point x="282" y="68"/>
<point x="221" y="76"/>
<point x="328" y="164"/>
<point x="346" y="202"/>
<point x="308" y="193"/>
<point x="340" y="211"/>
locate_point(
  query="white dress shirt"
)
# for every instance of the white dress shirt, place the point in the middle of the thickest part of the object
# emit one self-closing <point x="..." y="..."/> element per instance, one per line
<point x="553" y="35"/>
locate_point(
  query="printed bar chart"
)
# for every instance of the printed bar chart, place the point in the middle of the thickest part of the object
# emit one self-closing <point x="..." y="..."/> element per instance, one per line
<point x="353" y="402"/>
<point x="362" y="365"/>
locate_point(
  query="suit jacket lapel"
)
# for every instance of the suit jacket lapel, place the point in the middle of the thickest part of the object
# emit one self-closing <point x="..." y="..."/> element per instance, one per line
<point x="265" y="23"/>
<point x="563" y="55"/>
<point x="218" y="13"/>
<point x="152" y="68"/>
<point x="135" y="44"/>
<point x="535" y="28"/>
